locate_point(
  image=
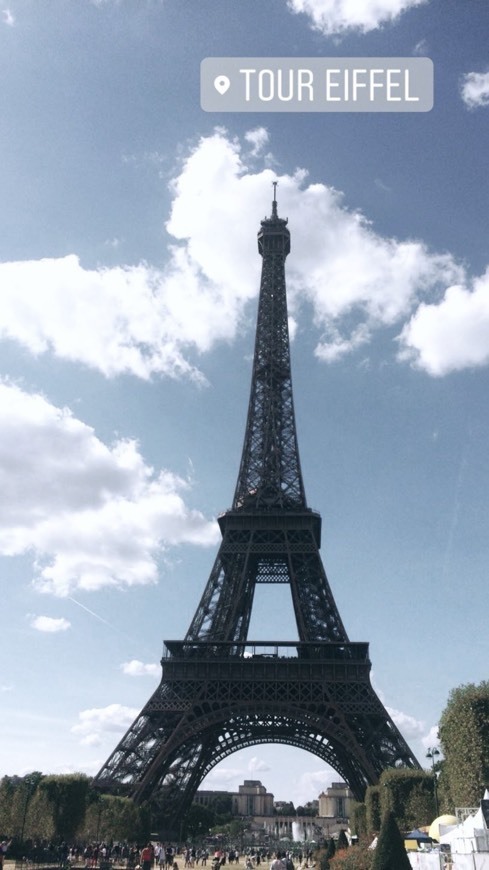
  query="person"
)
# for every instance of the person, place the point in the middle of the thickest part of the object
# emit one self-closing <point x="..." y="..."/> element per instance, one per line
<point x="146" y="857"/>
<point x="277" y="863"/>
<point x="3" y="851"/>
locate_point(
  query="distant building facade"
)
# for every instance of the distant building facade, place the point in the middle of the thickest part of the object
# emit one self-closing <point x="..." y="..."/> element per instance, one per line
<point x="207" y="797"/>
<point x="335" y="802"/>
<point x="252" y="801"/>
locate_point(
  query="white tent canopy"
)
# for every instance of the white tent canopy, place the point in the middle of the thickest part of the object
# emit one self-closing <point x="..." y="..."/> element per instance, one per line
<point x="471" y="835"/>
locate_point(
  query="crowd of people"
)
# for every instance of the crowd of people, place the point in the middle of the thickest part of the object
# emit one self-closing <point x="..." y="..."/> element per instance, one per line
<point x="159" y="856"/>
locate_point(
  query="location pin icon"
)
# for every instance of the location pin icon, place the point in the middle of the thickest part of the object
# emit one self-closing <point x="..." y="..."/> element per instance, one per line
<point x="221" y="84"/>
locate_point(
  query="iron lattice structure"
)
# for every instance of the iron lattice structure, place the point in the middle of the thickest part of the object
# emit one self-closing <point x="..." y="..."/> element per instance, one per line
<point x="219" y="691"/>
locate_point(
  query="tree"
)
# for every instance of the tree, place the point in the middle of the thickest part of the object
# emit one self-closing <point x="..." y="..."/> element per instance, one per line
<point x="285" y="809"/>
<point x="331" y="850"/>
<point x="109" y="817"/>
<point x="8" y="789"/>
<point x="310" y="809"/>
<point x="464" y="738"/>
<point x="390" y="853"/>
<point x="67" y="797"/>
<point x="322" y="857"/>
<point x="342" y="840"/>
<point x="222" y="807"/>
<point x="410" y="796"/>
<point x="19" y="809"/>
<point x="358" y="819"/>
<point x="29" y="786"/>
<point x="198" y="821"/>
<point x="373" y="811"/>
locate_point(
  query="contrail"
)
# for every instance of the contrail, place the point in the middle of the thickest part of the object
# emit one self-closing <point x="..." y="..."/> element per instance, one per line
<point x="104" y="621"/>
<point x="91" y="612"/>
<point x="457" y="502"/>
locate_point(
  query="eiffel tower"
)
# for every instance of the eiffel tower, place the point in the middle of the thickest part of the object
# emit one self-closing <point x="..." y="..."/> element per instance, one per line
<point x="219" y="691"/>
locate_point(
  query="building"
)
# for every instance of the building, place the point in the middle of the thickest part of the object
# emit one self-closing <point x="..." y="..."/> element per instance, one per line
<point x="252" y="799"/>
<point x="335" y="802"/>
<point x="267" y="821"/>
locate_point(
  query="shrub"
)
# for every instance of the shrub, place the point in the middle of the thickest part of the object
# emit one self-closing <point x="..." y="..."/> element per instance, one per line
<point x="355" y="858"/>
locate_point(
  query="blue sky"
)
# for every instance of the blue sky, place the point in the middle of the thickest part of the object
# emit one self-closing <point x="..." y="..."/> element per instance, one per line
<point x="128" y="283"/>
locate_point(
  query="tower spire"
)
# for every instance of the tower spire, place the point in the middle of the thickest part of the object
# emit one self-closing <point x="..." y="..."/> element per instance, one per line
<point x="270" y="476"/>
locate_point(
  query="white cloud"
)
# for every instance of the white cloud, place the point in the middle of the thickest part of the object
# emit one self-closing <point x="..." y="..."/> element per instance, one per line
<point x="431" y="739"/>
<point x="49" y="624"/>
<point x="136" y="668"/>
<point x="337" y="16"/>
<point x="224" y="778"/>
<point x="95" y="723"/>
<point x="256" y="764"/>
<point x="452" y="334"/>
<point x="475" y="89"/>
<point x="93" y="515"/>
<point x="258" y="138"/>
<point x="338" y="261"/>
<point x="8" y="17"/>
<point x="421" y="49"/>
<point x="148" y="321"/>
<point x="410" y="727"/>
<point x="123" y="319"/>
<point x="313" y="783"/>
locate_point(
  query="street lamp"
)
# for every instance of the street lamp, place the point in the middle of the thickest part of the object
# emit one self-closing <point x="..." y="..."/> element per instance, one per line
<point x="432" y="754"/>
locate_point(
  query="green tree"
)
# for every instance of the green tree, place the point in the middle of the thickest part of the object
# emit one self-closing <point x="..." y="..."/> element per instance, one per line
<point x="410" y="796"/>
<point x="389" y="853"/>
<point x="464" y="738"/>
<point x="198" y="821"/>
<point x="322" y="859"/>
<point x="287" y="809"/>
<point x="222" y="807"/>
<point x="331" y="850"/>
<point x="8" y="789"/>
<point x="358" y="819"/>
<point x="28" y="788"/>
<point x="18" y="807"/>
<point x="373" y="810"/>
<point x="67" y="797"/>
<point x="342" y="840"/>
<point x="109" y="817"/>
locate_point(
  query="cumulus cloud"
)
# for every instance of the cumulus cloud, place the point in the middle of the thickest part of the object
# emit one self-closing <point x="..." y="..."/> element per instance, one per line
<point x="338" y="16"/>
<point x="94" y="515"/>
<point x="475" y="89"/>
<point x="257" y="138"/>
<point x="431" y="738"/>
<point x="49" y="624"/>
<point x="135" y="668"/>
<point x="93" y="724"/>
<point x="148" y="321"/>
<point x="410" y="727"/>
<point x="255" y="764"/>
<point x="353" y="276"/>
<point x="121" y="319"/>
<point x="8" y="17"/>
<point x="313" y="783"/>
<point x="452" y="334"/>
